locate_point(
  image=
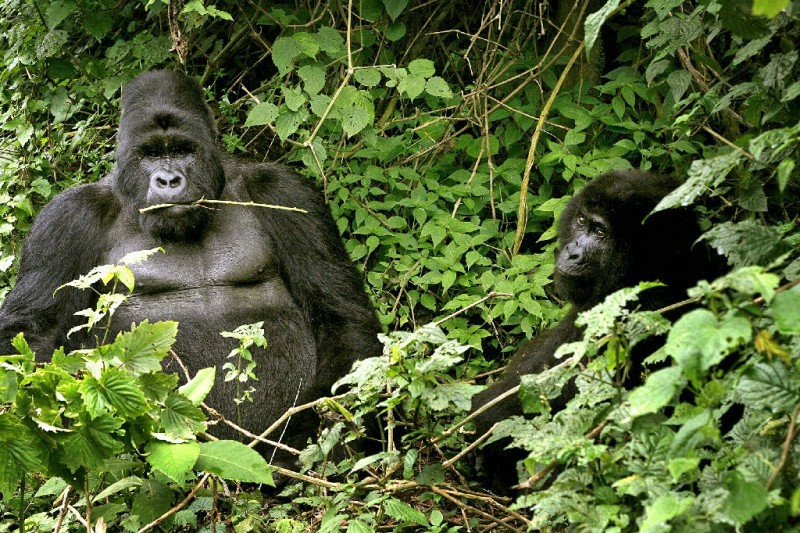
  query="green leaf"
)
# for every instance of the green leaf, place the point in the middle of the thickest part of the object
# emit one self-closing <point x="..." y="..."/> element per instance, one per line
<point x="769" y="386"/>
<point x="594" y="21"/>
<point x="678" y="81"/>
<point x="309" y="45"/>
<point x="141" y="350"/>
<point x="394" y="7"/>
<point x="663" y="510"/>
<point x="293" y="97"/>
<point x="369" y="77"/>
<point x="122" y="392"/>
<point x="330" y="41"/>
<point x="313" y="77"/>
<point x="436" y="86"/>
<point x="749" y="242"/>
<point x="284" y="50"/>
<point x="357" y="526"/>
<point x="354" y="119"/>
<point x="200" y="385"/>
<point x="412" y="85"/>
<point x="785" y="169"/>
<point x="97" y="23"/>
<point x="288" y="122"/>
<point x="261" y="114"/>
<point x="180" y="418"/>
<point x="745" y="499"/>
<point x="233" y="460"/>
<point x="400" y="510"/>
<point x="698" y="341"/>
<point x="92" y="443"/>
<point x="19" y="453"/>
<point x="174" y="460"/>
<point x="422" y="67"/>
<point x="58" y="11"/>
<point x="786" y="310"/>
<point x="704" y="177"/>
<point x="657" y="391"/>
<point x="769" y="8"/>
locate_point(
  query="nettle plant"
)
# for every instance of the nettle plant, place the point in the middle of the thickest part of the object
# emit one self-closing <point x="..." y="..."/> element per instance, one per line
<point x="108" y="423"/>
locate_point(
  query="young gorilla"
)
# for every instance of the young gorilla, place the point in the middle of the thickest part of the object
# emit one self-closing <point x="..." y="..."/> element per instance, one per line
<point x="222" y="267"/>
<point x="605" y="246"/>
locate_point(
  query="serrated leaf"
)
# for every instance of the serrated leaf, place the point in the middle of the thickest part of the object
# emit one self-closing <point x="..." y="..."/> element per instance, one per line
<point x="118" y="486"/>
<point x="92" y="443"/>
<point x="122" y="392"/>
<point x="293" y="97"/>
<point x="745" y="498"/>
<point x="769" y="8"/>
<point x="594" y="21"/>
<point x="745" y="243"/>
<point x="58" y="11"/>
<point x="235" y="461"/>
<point x="141" y="350"/>
<point x="354" y="119"/>
<point x="705" y="175"/>
<point x="174" y="460"/>
<point x="309" y="45"/>
<point x="97" y="23"/>
<point x="330" y="41"/>
<point x="394" y="7"/>
<point x="422" y="67"/>
<point x="200" y="385"/>
<point x="436" y="86"/>
<point x="369" y="77"/>
<point x="786" y="310"/>
<point x="678" y="81"/>
<point x="261" y="114"/>
<point x="287" y="123"/>
<point x="19" y="453"/>
<point x="284" y="50"/>
<point x="656" y="392"/>
<point x="180" y="418"/>
<point x="400" y="510"/>
<point x="698" y="340"/>
<point x="769" y="386"/>
<point x="313" y="77"/>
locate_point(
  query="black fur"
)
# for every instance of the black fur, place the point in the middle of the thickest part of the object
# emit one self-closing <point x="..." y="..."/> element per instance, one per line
<point x="223" y="267"/>
<point x="604" y="246"/>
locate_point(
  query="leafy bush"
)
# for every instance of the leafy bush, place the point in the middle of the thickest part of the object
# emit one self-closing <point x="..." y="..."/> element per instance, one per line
<point x="424" y="123"/>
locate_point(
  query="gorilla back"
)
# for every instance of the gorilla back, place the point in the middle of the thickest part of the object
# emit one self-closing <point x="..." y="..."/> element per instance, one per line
<point x="222" y="267"/>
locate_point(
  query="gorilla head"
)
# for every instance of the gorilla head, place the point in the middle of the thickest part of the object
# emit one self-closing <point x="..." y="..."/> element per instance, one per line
<point x="607" y="241"/>
<point x="167" y="154"/>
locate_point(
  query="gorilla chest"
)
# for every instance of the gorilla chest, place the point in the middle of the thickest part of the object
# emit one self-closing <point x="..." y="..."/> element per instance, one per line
<point x="229" y="275"/>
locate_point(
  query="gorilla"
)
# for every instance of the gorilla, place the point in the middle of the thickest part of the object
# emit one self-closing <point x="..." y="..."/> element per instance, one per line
<point x="223" y="266"/>
<point x="604" y="246"/>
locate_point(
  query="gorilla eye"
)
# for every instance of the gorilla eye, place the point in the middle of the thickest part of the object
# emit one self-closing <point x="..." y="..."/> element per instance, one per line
<point x="181" y="149"/>
<point x="581" y="220"/>
<point x="150" y="151"/>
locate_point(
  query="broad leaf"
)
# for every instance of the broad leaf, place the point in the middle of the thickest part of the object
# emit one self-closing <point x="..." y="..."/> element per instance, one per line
<point x="233" y="460"/>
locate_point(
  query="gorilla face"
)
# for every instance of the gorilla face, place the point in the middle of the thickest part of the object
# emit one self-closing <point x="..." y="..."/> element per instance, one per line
<point x="167" y="154"/>
<point x="608" y="241"/>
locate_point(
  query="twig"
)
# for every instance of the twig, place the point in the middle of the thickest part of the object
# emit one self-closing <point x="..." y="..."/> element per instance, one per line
<point x="293" y="411"/>
<point x="522" y="211"/>
<point x="786" y="445"/>
<point x="203" y="201"/>
<point x="177" y="507"/>
<point x="489" y="296"/>
<point x="463" y="505"/>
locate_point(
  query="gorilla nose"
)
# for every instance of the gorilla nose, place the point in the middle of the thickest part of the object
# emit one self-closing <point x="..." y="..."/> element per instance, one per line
<point x="167" y="184"/>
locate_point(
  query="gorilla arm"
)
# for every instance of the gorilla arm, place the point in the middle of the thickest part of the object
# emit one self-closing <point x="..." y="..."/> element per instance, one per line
<point x="317" y="271"/>
<point x="66" y="241"/>
<point x="533" y="357"/>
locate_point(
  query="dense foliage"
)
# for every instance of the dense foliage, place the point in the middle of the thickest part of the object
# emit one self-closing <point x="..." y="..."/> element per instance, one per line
<point x="424" y="123"/>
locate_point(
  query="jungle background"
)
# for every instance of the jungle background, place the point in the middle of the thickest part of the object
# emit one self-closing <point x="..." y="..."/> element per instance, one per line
<point x="447" y="136"/>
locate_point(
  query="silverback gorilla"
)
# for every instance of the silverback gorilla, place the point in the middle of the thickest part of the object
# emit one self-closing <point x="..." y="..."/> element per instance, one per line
<point x="604" y="246"/>
<point x="222" y="267"/>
